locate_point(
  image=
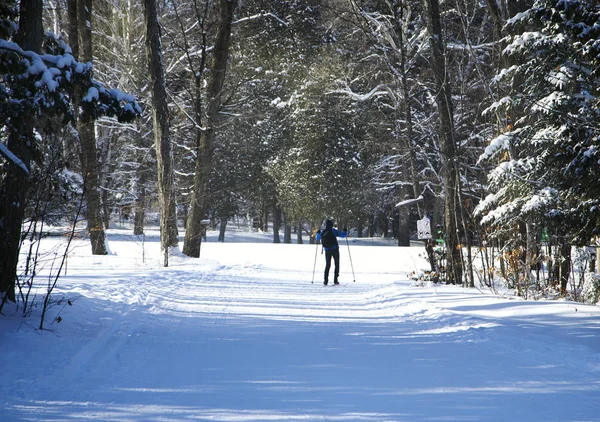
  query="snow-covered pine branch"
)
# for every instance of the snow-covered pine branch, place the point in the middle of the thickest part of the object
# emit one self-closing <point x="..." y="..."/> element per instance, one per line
<point x="4" y="151"/>
<point x="49" y="79"/>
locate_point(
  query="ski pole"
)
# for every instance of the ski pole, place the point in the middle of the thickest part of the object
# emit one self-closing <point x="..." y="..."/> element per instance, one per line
<point x="315" y="264"/>
<point x="351" y="266"/>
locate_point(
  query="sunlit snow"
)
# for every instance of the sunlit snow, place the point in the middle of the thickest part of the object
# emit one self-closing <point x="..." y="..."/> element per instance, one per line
<point x="242" y="334"/>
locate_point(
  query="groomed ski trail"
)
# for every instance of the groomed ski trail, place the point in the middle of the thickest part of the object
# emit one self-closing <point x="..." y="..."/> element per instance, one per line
<point x="243" y="335"/>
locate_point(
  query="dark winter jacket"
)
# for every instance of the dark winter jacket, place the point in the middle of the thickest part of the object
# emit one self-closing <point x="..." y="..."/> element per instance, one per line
<point x="337" y="233"/>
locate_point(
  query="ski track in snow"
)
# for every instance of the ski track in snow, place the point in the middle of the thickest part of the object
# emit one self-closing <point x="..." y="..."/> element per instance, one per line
<point x="243" y="335"/>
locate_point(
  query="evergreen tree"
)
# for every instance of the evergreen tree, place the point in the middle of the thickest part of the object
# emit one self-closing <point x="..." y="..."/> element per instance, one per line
<point x="548" y="156"/>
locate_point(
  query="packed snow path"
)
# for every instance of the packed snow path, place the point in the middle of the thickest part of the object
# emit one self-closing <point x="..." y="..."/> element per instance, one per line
<point x="243" y="335"/>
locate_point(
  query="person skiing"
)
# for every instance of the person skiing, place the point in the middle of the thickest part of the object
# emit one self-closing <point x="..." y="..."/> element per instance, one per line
<point x="328" y="238"/>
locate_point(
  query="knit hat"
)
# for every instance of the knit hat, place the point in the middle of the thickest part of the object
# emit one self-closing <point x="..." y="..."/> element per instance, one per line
<point x="328" y="224"/>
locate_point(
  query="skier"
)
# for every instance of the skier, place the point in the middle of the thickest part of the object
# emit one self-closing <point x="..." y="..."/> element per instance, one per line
<point x="331" y="248"/>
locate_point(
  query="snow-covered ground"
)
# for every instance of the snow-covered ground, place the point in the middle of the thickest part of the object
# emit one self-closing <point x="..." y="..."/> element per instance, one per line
<point x="243" y="335"/>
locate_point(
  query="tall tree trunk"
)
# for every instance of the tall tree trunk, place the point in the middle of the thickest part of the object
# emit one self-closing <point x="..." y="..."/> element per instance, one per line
<point x="287" y="233"/>
<point x="429" y="201"/>
<point x="139" y="213"/>
<point x="565" y="265"/>
<point x="21" y="142"/>
<point x="162" y="138"/>
<point x="424" y="211"/>
<point x="287" y="229"/>
<point x="222" y="227"/>
<point x="140" y="188"/>
<point x="106" y="169"/>
<point x="499" y="20"/>
<point x="276" y="222"/>
<point x="80" y="38"/>
<point x="193" y="233"/>
<point x="299" y="239"/>
<point x="449" y="169"/>
<point x="404" y="227"/>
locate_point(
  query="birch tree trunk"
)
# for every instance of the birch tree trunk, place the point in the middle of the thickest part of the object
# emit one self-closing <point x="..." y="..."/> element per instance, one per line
<point x="449" y="170"/>
<point x="193" y="233"/>
<point x="80" y="38"/>
<point x="162" y="138"/>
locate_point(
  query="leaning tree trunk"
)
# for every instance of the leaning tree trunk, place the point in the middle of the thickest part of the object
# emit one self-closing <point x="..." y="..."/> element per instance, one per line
<point x="162" y="139"/>
<point x="193" y="233"/>
<point x="15" y="182"/>
<point x="449" y="170"/>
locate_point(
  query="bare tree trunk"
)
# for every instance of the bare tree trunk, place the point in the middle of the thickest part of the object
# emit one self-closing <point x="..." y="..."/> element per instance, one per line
<point x="15" y="182"/>
<point x="565" y="265"/>
<point x="499" y="20"/>
<point x="449" y="170"/>
<point x="299" y="239"/>
<point x="222" y="227"/>
<point x="193" y="233"/>
<point x="287" y="229"/>
<point x="400" y="19"/>
<point x="139" y="214"/>
<point x="80" y="38"/>
<point x="91" y="189"/>
<point x="404" y="227"/>
<point x="162" y="138"/>
<point x="429" y="201"/>
<point x="276" y="223"/>
<point x="287" y="233"/>
<point x="140" y="199"/>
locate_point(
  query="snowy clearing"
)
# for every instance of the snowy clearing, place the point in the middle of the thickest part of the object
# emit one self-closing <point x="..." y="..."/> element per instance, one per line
<point x="242" y="335"/>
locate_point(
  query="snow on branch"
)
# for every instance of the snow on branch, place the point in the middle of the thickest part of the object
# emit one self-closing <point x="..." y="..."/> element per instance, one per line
<point x="46" y="66"/>
<point x="378" y="91"/>
<point x="499" y="144"/>
<point x="13" y="158"/>
<point x="53" y="76"/>
<point x="261" y="15"/>
<point x="409" y="202"/>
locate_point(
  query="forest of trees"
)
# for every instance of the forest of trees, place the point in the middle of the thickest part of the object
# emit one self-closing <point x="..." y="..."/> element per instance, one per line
<point x="485" y="113"/>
